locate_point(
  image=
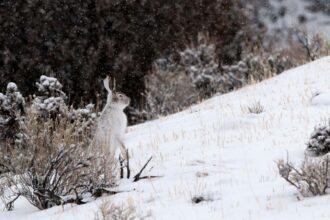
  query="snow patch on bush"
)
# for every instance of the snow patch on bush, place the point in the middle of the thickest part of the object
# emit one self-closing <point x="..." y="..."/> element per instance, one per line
<point x="51" y="98"/>
<point x="319" y="143"/>
<point x="12" y="110"/>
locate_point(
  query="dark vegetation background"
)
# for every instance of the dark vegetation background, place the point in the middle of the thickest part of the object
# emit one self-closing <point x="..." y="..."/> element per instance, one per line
<point x="80" y="41"/>
<point x="145" y="45"/>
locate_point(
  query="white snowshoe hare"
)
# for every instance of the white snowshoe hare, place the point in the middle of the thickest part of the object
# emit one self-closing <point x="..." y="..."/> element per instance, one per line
<point x="112" y="125"/>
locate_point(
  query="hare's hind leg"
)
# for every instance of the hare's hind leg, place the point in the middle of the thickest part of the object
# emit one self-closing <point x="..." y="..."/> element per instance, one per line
<point x="121" y="160"/>
<point x="127" y="165"/>
<point x="124" y="153"/>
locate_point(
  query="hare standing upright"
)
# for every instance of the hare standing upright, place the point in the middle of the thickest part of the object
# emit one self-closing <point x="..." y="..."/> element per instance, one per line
<point x="112" y="124"/>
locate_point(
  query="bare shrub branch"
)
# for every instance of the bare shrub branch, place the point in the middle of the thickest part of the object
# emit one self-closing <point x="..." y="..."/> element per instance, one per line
<point x="314" y="46"/>
<point x="311" y="179"/>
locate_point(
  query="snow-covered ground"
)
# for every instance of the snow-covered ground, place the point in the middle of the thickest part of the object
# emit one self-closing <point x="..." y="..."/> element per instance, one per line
<point x="220" y="151"/>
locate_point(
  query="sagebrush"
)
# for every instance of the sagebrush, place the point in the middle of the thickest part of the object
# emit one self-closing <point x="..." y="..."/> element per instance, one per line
<point x="54" y="162"/>
<point x="55" y="166"/>
<point x="311" y="179"/>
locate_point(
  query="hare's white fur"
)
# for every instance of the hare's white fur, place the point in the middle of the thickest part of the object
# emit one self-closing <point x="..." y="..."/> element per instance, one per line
<point x="112" y="123"/>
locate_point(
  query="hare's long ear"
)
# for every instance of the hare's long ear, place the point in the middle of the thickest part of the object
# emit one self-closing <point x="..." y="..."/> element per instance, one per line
<point x="106" y="84"/>
<point x="114" y="85"/>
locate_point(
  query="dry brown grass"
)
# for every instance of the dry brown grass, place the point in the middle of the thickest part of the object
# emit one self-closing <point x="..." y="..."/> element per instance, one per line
<point x="55" y="166"/>
<point x="256" y="108"/>
<point x="109" y="211"/>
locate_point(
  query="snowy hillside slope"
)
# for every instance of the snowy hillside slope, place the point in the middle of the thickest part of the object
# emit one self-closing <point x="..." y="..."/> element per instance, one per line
<point x="220" y="151"/>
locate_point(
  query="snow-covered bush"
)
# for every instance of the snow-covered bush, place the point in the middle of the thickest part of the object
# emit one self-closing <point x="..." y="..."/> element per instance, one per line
<point x="86" y="113"/>
<point x="50" y="100"/>
<point x="55" y="167"/>
<point x="200" y="63"/>
<point x="253" y="67"/>
<point x="311" y="179"/>
<point x="279" y="62"/>
<point x="12" y="110"/>
<point x="319" y="142"/>
<point x="84" y="120"/>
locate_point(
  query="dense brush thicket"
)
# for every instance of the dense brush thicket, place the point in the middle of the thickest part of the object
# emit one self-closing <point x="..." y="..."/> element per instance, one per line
<point x="176" y="83"/>
<point x="45" y="153"/>
<point x="79" y="42"/>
